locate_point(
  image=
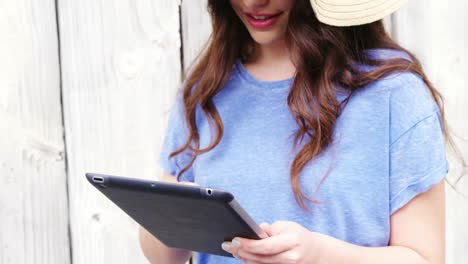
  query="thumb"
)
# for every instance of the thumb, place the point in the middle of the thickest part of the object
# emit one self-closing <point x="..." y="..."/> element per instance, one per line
<point x="266" y="227"/>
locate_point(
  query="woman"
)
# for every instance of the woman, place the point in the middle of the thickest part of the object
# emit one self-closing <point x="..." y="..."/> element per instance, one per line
<point x="322" y="127"/>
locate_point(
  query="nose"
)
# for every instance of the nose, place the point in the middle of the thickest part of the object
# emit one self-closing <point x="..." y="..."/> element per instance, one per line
<point x="254" y="4"/>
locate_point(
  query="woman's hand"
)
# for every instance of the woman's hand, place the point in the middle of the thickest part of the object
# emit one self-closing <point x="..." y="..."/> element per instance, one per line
<point x="288" y="243"/>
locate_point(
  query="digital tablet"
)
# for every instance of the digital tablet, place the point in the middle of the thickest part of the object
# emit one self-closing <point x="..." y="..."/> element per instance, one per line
<point x="181" y="216"/>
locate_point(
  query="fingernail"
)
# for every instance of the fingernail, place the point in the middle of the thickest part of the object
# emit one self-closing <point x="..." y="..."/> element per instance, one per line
<point x="225" y="246"/>
<point x="236" y="242"/>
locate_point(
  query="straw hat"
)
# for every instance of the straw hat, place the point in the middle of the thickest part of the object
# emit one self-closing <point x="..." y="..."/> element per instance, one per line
<point x="353" y="12"/>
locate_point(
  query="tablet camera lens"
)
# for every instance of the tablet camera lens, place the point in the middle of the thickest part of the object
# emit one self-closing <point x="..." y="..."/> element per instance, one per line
<point x="209" y="191"/>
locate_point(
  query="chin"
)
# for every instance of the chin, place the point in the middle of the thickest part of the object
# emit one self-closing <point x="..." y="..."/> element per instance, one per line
<point x="265" y="39"/>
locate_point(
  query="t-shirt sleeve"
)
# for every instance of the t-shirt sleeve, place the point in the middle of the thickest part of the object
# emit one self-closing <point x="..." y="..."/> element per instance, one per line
<point x="175" y="137"/>
<point x="417" y="145"/>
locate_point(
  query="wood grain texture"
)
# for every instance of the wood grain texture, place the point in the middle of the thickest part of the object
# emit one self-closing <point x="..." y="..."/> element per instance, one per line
<point x="121" y="69"/>
<point x="437" y="35"/>
<point x="388" y="21"/>
<point x="33" y="198"/>
<point x="196" y="29"/>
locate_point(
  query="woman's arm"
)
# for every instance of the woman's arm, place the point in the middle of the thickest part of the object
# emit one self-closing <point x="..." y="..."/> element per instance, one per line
<point x="417" y="234"/>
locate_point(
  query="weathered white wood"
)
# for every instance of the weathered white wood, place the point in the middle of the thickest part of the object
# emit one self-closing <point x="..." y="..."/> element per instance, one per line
<point x="388" y="20"/>
<point x="33" y="198"/>
<point x="196" y="28"/>
<point x="437" y="35"/>
<point x="121" y="69"/>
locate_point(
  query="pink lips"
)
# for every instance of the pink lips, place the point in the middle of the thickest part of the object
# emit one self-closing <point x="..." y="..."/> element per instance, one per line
<point x="265" y="22"/>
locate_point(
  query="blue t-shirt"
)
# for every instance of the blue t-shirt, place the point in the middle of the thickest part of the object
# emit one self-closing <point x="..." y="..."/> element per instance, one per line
<point x="388" y="147"/>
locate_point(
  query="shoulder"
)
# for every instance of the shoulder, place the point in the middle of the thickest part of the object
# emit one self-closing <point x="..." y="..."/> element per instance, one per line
<point x="408" y="99"/>
<point x="406" y="91"/>
<point x="403" y="91"/>
<point x="409" y="91"/>
<point x="410" y="102"/>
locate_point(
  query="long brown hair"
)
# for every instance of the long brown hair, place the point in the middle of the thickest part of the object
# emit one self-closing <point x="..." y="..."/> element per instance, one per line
<point x="323" y="56"/>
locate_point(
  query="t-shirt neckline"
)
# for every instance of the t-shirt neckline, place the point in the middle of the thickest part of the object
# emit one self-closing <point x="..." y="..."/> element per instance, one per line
<point x="247" y="76"/>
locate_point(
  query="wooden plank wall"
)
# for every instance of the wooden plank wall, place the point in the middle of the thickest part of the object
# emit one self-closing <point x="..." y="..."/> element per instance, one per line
<point x="196" y="29"/>
<point x="121" y="68"/>
<point x="95" y="79"/>
<point x="33" y="197"/>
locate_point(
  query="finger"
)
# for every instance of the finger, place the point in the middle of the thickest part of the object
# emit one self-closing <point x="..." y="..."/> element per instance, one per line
<point x="278" y="227"/>
<point x="267" y="228"/>
<point x="290" y="256"/>
<point x="229" y="247"/>
<point x="268" y="246"/>
<point x="237" y="257"/>
<point x="250" y="258"/>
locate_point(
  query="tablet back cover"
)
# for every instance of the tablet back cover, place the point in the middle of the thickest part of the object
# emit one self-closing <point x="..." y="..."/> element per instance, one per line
<point x="178" y="215"/>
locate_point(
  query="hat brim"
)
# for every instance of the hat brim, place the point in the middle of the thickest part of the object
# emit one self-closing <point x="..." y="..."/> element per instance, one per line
<point x="352" y="13"/>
